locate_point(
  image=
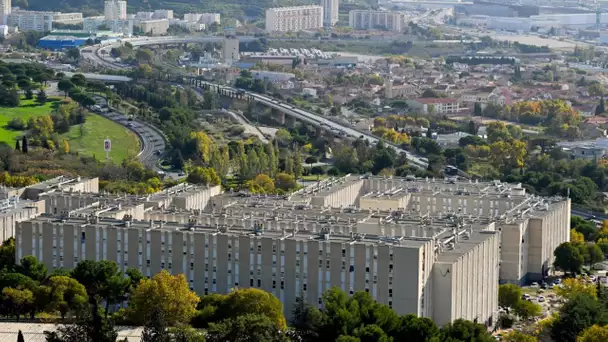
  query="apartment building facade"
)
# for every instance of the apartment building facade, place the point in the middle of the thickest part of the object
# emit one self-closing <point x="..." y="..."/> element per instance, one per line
<point x="292" y="19"/>
<point x="115" y="10"/>
<point x="330" y="12"/>
<point x="68" y="18"/>
<point x="369" y="20"/>
<point x="31" y="20"/>
<point x="411" y="275"/>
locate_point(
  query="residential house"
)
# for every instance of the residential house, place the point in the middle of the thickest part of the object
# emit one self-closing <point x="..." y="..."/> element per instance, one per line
<point x="486" y="95"/>
<point x="394" y="91"/>
<point x="450" y="140"/>
<point x="441" y="105"/>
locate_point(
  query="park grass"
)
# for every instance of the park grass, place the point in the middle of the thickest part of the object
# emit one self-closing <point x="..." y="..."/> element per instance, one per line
<point x="26" y="110"/>
<point x="125" y="143"/>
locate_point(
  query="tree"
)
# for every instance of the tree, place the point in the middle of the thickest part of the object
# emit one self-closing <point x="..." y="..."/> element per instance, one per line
<point x="262" y="184"/>
<point x="17" y="302"/>
<point x="477" y="109"/>
<point x="594" y="333"/>
<point x="596" y="89"/>
<point x="203" y="175"/>
<point x="92" y="328"/>
<point x="576" y="237"/>
<point x="29" y="94"/>
<point x="518" y="336"/>
<point x="31" y="267"/>
<point x="72" y="53"/>
<point x="509" y="295"/>
<point x="285" y="182"/>
<point x="78" y="80"/>
<point x="472" y="127"/>
<point x="156" y="328"/>
<point x="601" y="108"/>
<point x="102" y="279"/>
<point x="169" y="293"/>
<point x="595" y="254"/>
<point x="571" y="287"/>
<point x="24" y="147"/>
<point x="526" y="309"/>
<point x="249" y="327"/>
<point x="20" y="337"/>
<point x="462" y="330"/>
<point x="210" y="100"/>
<point x="17" y="145"/>
<point x="64" y="295"/>
<point x="297" y="164"/>
<point x="306" y="320"/>
<point x="568" y="258"/>
<point x="65" y="86"/>
<point x="41" y="97"/>
<point x="577" y="314"/>
<point x="144" y="56"/>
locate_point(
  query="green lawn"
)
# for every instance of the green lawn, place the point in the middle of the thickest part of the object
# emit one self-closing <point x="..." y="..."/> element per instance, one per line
<point x="97" y="128"/>
<point x="26" y="110"/>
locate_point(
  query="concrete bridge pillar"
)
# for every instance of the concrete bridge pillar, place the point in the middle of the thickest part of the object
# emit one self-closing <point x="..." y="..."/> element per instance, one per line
<point x="319" y="131"/>
<point x="291" y="121"/>
<point x="279" y="115"/>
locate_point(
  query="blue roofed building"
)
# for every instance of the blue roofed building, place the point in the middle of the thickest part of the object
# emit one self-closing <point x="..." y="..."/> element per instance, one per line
<point x="61" y="42"/>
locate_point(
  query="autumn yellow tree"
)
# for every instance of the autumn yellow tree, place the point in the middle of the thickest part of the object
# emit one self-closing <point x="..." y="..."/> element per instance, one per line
<point x="595" y="333"/>
<point x="572" y="286"/>
<point x="576" y="237"/>
<point x="168" y="293"/>
<point x="203" y="145"/>
<point x="261" y="184"/>
<point x="518" y="336"/>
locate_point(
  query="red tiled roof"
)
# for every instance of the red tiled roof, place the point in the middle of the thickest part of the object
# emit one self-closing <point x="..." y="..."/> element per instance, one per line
<point x="435" y="100"/>
<point x="597" y="120"/>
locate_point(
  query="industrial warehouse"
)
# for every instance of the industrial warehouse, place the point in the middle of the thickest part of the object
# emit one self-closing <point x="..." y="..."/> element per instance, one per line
<point x="435" y="248"/>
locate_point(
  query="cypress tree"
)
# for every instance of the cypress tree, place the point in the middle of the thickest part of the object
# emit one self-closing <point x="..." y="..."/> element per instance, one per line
<point x="24" y="146"/>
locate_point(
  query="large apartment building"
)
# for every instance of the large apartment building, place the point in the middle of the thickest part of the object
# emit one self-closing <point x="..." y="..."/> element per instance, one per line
<point x="291" y="19"/>
<point x="115" y="10"/>
<point x="31" y="20"/>
<point x="330" y="12"/>
<point x="368" y="20"/>
<point x="5" y="10"/>
<point x="434" y="248"/>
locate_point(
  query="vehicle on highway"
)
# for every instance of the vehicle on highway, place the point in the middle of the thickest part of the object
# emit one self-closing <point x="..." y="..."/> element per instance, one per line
<point x="130" y="124"/>
<point x="130" y="118"/>
<point x="96" y="108"/>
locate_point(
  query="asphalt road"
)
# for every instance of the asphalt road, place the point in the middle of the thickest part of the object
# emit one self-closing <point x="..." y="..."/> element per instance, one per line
<point x="153" y="143"/>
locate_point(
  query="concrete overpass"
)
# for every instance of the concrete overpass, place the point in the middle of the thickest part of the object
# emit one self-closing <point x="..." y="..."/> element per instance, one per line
<point x="305" y="116"/>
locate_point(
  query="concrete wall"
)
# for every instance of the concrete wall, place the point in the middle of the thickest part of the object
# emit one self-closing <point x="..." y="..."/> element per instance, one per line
<point x="461" y="290"/>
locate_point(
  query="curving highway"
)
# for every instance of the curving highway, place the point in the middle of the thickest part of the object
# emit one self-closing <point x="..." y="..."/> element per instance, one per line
<point x="93" y="55"/>
<point x="152" y="141"/>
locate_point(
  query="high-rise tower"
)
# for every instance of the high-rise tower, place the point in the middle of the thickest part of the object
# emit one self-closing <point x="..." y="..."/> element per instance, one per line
<point x="330" y="12"/>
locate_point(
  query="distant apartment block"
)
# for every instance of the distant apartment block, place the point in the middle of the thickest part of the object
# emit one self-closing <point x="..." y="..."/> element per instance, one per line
<point x="163" y="14"/>
<point x="31" y="20"/>
<point x="5" y="10"/>
<point x="115" y="10"/>
<point x="144" y="15"/>
<point x="92" y="24"/>
<point x="210" y="18"/>
<point x="297" y="18"/>
<point x="330" y="12"/>
<point x="368" y="20"/>
<point x="436" y="105"/>
<point x="67" y="18"/>
<point x="154" y="26"/>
